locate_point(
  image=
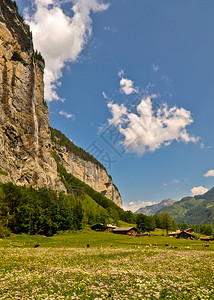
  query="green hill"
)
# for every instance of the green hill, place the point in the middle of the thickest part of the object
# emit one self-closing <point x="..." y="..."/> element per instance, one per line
<point x="193" y="210"/>
<point x="23" y="209"/>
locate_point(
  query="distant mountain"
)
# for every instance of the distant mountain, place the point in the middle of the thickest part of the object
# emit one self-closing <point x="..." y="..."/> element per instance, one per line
<point x="152" y="209"/>
<point x="193" y="210"/>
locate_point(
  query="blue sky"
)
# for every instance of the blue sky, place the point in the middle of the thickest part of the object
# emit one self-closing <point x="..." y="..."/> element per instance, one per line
<point x="101" y="56"/>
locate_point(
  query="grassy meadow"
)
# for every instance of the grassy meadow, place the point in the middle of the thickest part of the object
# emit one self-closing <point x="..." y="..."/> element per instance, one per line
<point x="62" y="267"/>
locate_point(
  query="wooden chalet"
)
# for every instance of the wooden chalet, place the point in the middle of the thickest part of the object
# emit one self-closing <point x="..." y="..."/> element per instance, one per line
<point x="185" y="235"/>
<point x="205" y="238"/>
<point x="174" y="233"/>
<point x="125" y="230"/>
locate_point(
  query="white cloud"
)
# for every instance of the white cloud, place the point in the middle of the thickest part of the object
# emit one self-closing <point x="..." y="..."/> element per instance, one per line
<point x="126" y="85"/>
<point x="209" y="173"/>
<point x="155" y="67"/>
<point x="59" y="37"/>
<point x="202" y="146"/>
<point x="148" y="129"/>
<point x="121" y="73"/>
<point x="67" y="115"/>
<point x="134" y="206"/>
<point x="104" y="95"/>
<point x="198" y="190"/>
<point x="175" y="181"/>
<point x="118" y="112"/>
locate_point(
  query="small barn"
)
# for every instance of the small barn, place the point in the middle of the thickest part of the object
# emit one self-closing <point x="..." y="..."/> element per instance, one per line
<point x="185" y="235"/>
<point x="144" y="234"/>
<point x="205" y="238"/>
<point x="125" y="230"/>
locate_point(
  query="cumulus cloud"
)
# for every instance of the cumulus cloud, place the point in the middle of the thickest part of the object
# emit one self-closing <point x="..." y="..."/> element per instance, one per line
<point x="198" y="190"/>
<point x="67" y="115"/>
<point x="126" y="85"/>
<point x="209" y="173"/>
<point x="60" y="37"/>
<point x="119" y="112"/>
<point x="134" y="206"/>
<point x="150" y="127"/>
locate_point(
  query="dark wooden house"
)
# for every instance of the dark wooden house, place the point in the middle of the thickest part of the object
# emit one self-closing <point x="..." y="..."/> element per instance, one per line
<point x="185" y="235"/>
<point x="125" y="230"/>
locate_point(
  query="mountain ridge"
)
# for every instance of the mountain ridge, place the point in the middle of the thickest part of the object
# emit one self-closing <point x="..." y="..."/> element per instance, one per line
<point x="193" y="210"/>
<point x="152" y="209"/>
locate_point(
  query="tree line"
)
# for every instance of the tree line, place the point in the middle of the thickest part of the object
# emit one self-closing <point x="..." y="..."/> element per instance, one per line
<point x="164" y="221"/>
<point x="43" y="211"/>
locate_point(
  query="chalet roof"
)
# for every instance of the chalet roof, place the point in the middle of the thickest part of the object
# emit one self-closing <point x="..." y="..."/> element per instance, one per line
<point x="174" y="232"/>
<point x="204" y="237"/>
<point x="124" y="229"/>
<point x="186" y="232"/>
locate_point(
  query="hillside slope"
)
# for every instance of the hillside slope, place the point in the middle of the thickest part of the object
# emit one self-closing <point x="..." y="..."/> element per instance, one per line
<point x="193" y="210"/>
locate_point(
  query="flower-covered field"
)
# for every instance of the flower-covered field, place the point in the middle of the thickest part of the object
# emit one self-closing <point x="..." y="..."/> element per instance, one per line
<point x="139" y="273"/>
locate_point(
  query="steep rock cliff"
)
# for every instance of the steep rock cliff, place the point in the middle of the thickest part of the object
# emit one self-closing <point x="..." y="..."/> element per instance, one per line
<point x="25" y="147"/>
<point x="84" y="166"/>
<point x="25" y="143"/>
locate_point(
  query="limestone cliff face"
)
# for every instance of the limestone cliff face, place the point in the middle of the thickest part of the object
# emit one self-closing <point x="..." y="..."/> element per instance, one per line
<point x="92" y="174"/>
<point x="25" y="143"/>
<point x="25" y="147"/>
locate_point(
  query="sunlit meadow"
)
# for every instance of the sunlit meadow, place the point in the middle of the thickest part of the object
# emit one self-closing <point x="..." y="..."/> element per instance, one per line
<point x="104" y="272"/>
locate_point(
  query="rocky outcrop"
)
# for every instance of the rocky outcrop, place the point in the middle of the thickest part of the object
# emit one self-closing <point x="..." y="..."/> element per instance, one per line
<point x="92" y="174"/>
<point x="25" y="139"/>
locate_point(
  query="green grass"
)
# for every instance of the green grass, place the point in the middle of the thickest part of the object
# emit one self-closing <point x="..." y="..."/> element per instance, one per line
<point x="125" y="224"/>
<point x="63" y="268"/>
<point x="67" y="273"/>
<point x="101" y="240"/>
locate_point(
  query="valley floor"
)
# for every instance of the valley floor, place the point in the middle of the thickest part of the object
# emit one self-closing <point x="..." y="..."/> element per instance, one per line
<point x="130" y="269"/>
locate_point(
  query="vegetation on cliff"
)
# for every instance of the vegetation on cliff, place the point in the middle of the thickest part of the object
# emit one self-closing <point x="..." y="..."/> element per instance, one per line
<point x="74" y="184"/>
<point x="60" y="139"/>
